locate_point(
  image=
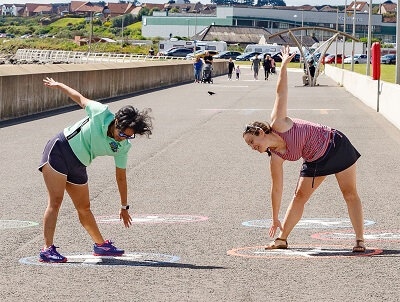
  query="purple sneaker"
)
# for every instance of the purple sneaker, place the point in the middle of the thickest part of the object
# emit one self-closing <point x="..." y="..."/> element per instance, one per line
<point x="106" y="249"/>
<point x="51" y="255"/>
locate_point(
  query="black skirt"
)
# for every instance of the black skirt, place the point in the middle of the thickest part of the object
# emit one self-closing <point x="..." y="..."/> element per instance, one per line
<point x="339" y="156"/>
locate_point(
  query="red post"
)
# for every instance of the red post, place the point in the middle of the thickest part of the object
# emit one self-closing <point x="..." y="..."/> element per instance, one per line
<point x="376" y="61"/>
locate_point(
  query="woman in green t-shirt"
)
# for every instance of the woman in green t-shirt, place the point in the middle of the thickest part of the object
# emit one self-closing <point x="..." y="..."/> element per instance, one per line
<point x="67" y="155"/>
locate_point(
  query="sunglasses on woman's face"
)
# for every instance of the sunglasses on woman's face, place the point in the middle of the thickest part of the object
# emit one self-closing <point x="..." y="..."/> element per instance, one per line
<point x="121" y="134"/>
<point x="247" y="128"/>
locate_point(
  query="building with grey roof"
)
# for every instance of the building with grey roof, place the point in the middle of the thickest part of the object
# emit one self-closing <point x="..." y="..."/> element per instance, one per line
<point x="167" y="25"/>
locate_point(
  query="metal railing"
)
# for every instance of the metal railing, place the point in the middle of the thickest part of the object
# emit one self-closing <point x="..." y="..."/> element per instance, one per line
<point x="79" y="57"/>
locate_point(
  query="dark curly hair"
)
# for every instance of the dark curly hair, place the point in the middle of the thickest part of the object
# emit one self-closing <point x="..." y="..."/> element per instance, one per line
<point x="130" y="117"/>
<point x="255" y="127"/>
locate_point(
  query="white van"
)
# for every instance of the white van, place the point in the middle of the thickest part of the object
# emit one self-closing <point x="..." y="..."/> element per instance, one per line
<point x="263" y="48"/>
<point x="165" y="45"/>
<point x="219" y="46"/>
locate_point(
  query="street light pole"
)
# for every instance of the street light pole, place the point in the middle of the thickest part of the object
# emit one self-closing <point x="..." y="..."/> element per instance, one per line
<point x="302" y="25"/>
<point x="188" y="28"/>
<point x="337" y="28"/>
<point x="91" y="32"/>
<point x="344" y="30"/>
<point x="398" y="46"/>
<point x="354" y="34"/>
<point x="369" y="37"/>
<point x="122" y="31"/>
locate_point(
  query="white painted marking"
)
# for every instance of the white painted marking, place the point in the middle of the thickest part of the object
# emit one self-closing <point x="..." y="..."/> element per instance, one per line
<point x="258" y="109"/>
<point x="315" y="221"/>
<point x="309" y="253"/>
<point x="370" y="236"/>
<point x="232" y="86"/>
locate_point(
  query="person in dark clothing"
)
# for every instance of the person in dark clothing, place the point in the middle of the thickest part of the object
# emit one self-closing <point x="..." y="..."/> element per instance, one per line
<point x="267" y="64"/>
<point x="231" y="68"/>
<point x="255" y="66"/>
<point x="311" y="67"/>
<point x="208" y="59"/>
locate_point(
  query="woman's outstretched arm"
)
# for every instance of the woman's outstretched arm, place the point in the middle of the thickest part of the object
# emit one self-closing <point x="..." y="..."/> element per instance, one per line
<point x="279" y="112"/>
<point x="72" y="93"/>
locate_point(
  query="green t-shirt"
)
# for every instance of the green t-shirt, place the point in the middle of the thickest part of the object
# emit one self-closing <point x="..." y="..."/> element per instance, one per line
<point x="88" y="137"/>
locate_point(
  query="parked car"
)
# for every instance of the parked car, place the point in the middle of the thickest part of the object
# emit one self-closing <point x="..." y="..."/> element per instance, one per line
<point x="331" y="59"/>
<point x="26" y="36"/>
<point x="317" y="55"/>
<point x="388" y="59"/>
<point x="7" y="36"/>
<point x="358" y="59"/>
<point x="201" y="54"/>
<point x="179" y="52"/>
<point x="260" y="56"/>
<point x="247" y="55"/>
<point x="227" y="55"/>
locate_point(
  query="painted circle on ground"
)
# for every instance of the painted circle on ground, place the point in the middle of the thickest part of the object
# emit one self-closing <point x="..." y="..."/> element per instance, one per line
<point x="310" y="223"/>
<point x="302" y="252"/>
<point x="16" y="224"/>
<point x="152" y="219"/>
<point x="88" y="260"/>
<point x="370" y="235"/>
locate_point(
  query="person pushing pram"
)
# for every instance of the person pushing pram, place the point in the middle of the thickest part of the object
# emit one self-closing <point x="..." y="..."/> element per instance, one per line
<point x="207" y="69"/>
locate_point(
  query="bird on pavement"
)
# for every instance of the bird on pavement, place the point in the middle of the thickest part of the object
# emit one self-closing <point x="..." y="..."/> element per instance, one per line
<point x="210" y="92"/>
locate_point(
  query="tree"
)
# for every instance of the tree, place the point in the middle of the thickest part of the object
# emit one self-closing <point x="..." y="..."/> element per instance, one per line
<point x="271" y="2"/>
<point x="154" y="9"/>
<point x="128" y="19"/>
<point x="143" y="12"/>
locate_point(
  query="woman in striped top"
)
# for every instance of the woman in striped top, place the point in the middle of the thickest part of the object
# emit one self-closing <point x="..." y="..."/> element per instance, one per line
<point x="325" y="151"/>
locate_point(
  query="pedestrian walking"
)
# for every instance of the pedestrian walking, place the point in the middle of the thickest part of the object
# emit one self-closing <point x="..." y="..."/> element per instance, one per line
<point x="311" y="67"/>
<point x="237" y="71"/>
<point x="267" y="67"/>
<point x="198" y="66"/>
<point x="231" y="68"/>
<point x="66" y="156"/>
<point x="324" y="151"/>
<point x="255" y="66"/>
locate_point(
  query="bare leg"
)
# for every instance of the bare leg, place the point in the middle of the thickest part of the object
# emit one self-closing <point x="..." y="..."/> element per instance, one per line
<point x="80" y="196"/>
<point x="347" y="182"/>
<point x="55" y="183"/>
<point x="296" y="207"/>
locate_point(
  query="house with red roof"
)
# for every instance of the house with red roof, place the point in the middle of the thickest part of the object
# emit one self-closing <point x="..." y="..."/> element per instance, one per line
<point x="361" y="6"/>
<point x="118" y="9"/>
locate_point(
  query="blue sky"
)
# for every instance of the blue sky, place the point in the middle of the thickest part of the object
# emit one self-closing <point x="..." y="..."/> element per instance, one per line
<point x="288" y="2"/>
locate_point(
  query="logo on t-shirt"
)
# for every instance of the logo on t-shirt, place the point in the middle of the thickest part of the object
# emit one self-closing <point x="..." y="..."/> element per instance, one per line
<point x="114" y="146"/>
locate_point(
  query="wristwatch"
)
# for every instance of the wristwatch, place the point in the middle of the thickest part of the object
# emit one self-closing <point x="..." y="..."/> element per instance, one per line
<point x="125" y="207"/>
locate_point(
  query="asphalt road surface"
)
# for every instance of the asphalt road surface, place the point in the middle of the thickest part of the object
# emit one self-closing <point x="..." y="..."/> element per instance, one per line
<point x="200" y="200"/>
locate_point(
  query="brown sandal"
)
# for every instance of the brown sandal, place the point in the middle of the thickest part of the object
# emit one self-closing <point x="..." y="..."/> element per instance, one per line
<point x="359" y="247"/>
<point x="274" y="246"/>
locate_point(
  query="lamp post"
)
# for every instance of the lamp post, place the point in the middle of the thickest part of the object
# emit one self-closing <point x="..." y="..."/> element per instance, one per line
<point x="369" y="37"/>
<point x="188" y="28"/>
<point x="195" y="26"/>
<point x="302" y="25"/>
<point x="344" y="30"/>
<point x="337" y="28"/>
<point x="91" y="32"/>
<point x="122" y="32"/>
<point x="295" y="20"/>
<point x="354" y="34"/>
<point x="398" y="46"/>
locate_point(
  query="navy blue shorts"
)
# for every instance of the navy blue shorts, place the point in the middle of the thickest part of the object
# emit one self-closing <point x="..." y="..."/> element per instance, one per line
<point x="59" y="155"/>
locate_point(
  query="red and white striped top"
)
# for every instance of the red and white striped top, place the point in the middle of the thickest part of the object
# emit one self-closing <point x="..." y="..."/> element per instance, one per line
<point x="304" y="140"/>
